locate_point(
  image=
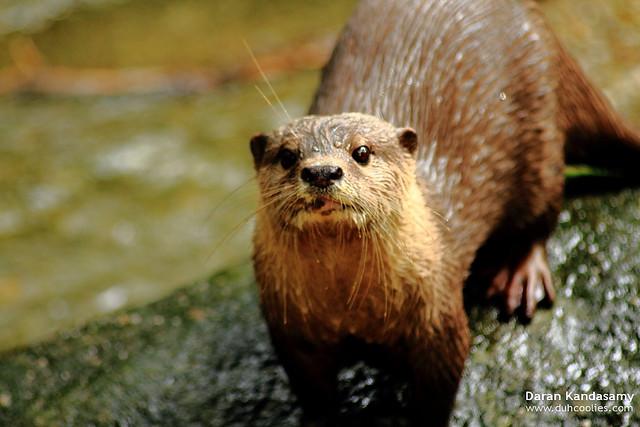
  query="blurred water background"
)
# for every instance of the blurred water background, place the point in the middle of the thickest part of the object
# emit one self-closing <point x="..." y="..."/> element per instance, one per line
<point x="124" y="126"/>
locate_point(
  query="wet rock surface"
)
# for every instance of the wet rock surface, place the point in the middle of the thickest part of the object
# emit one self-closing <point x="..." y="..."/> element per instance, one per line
<point x="140" y="180"/>
<point x="202" y="355"/>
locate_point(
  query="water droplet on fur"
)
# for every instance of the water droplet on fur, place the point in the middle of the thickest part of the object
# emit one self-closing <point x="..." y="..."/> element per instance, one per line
<point x="315" y="149"/>
<point x="502" y="96"/>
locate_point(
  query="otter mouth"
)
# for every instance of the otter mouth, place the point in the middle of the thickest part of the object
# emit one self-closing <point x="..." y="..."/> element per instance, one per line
<point x="325" y="205"/>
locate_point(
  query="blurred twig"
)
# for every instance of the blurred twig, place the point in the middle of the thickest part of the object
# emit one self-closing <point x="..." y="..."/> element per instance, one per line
<point x="31" y="73"/>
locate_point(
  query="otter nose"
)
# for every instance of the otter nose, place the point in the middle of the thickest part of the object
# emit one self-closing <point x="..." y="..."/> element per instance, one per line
<point x="321" y="176"/>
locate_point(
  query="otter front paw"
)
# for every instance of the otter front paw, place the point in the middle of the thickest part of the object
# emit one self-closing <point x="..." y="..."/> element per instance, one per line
<point x="523" y="285"/>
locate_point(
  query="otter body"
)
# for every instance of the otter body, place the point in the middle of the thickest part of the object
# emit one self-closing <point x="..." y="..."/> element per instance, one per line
<point x="367" y="232"/>
<point x="476" y="81"/>
<point x="355" y="259"/>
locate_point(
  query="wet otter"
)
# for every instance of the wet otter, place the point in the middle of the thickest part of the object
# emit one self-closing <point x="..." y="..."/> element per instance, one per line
<point x="367" y="230"/>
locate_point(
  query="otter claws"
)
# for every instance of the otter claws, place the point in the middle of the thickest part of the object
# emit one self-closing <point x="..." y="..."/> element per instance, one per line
<point x="522" y="286"/>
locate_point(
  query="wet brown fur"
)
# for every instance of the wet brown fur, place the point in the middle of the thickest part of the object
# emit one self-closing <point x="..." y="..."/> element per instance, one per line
<point x="495" y="102"/>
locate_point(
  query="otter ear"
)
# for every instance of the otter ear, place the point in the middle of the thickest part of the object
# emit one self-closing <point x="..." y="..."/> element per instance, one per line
<point x="258" y="145"/>
<point x="408" y="139"/>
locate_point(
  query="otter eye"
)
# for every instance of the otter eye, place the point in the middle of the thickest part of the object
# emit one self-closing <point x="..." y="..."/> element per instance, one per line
<point x="361" y="154"/>
<point x="287" y="158"/>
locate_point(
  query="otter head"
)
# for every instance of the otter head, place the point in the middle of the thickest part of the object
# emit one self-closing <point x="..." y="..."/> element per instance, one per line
<point x="318" y="171"/>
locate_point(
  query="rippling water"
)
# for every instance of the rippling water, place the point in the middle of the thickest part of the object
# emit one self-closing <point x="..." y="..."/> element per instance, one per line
<point x="117" y="200"/>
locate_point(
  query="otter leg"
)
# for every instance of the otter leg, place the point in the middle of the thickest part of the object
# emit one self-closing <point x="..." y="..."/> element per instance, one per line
<point x="512" y="264"/>
<point x="524" y="283"/>
<point x="431" y="401"/>
<point x="313" y="377"/>
<point x="436" y="363"/>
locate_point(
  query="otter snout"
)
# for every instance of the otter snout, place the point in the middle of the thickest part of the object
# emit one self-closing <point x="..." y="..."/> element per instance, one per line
<point x="321" y="176"/>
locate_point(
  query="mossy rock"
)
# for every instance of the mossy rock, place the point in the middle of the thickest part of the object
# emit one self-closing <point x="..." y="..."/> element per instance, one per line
<point x="202" y="355"/>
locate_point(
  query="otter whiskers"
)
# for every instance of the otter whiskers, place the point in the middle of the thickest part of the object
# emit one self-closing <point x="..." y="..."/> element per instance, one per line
<point x="268" y="83"/>
<point x="269" y="200"/>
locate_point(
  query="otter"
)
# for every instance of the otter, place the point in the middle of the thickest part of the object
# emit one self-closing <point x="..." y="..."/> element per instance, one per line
<point x="432" y="160"/>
